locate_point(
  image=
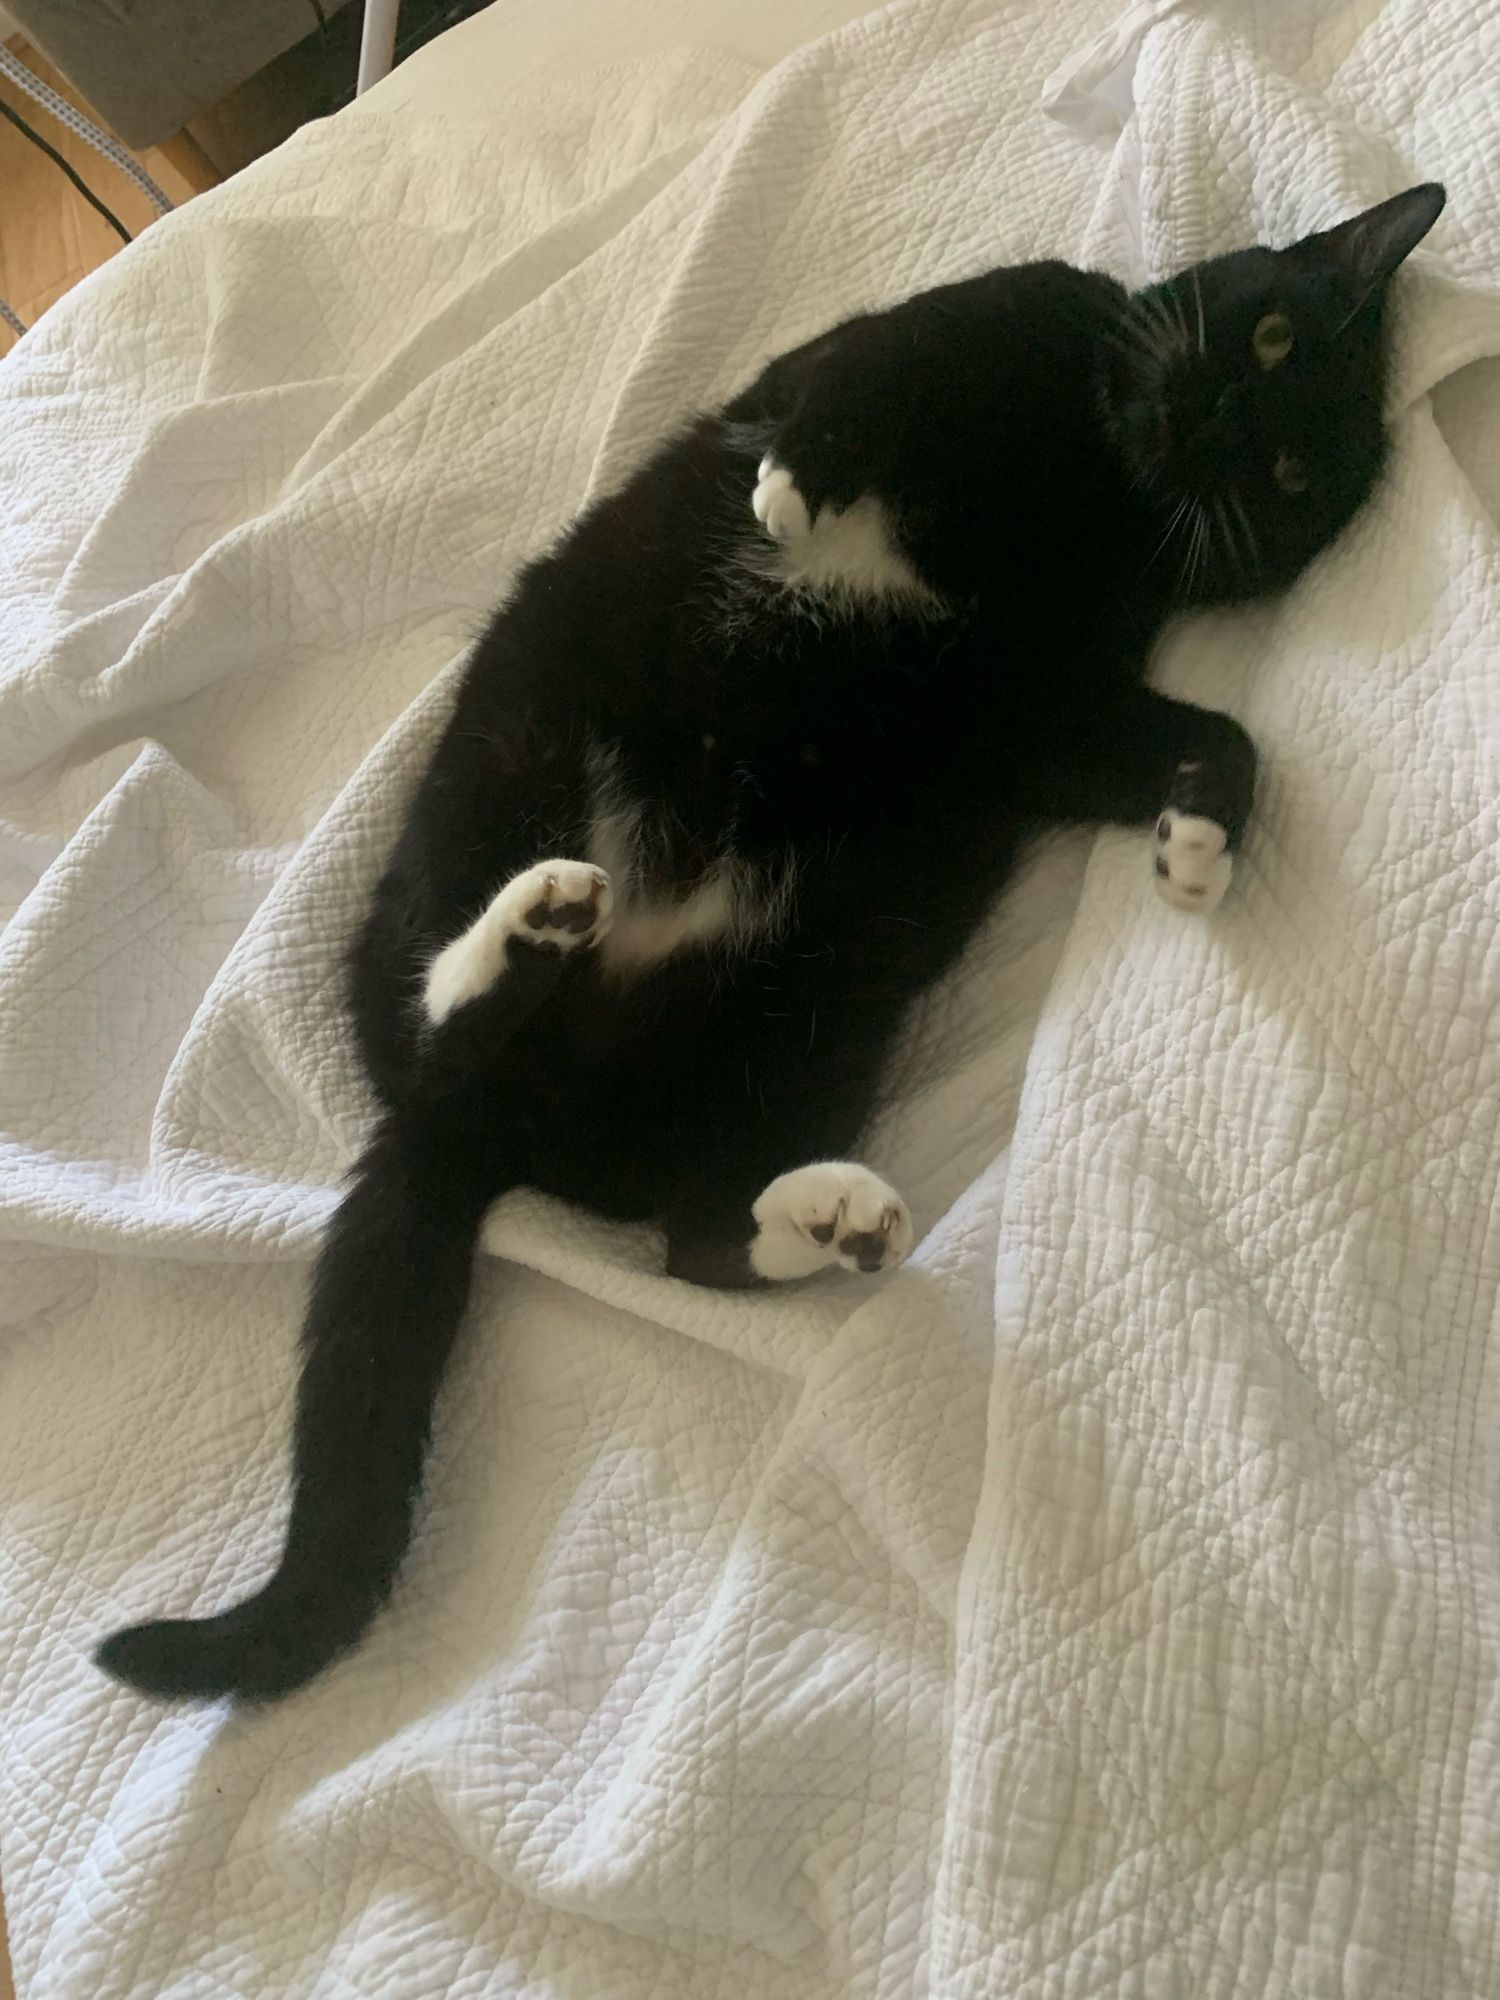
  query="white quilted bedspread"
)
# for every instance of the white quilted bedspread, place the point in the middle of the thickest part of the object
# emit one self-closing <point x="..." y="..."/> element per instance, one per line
<point x="1109" y="1605"/>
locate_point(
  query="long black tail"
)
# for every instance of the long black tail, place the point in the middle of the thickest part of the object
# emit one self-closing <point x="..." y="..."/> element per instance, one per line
<point x="389" y="1292"/>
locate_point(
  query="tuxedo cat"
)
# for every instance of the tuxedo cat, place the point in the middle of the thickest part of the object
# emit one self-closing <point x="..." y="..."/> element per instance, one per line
<point x="736" y="772"/>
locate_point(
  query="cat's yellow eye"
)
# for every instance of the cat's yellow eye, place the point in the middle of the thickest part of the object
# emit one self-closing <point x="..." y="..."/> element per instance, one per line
<point x="1272" y="339"/>
<point x="1289" y="472"/>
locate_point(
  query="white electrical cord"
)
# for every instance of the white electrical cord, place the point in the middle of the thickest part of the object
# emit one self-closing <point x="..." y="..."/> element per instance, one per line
<point x="87" y="130"/>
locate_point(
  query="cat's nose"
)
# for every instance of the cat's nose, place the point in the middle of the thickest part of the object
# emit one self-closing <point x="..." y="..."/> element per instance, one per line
<point x="1196" y="406"/>
<point x="1214" y="435"/>
<point x="1205" y="450"/>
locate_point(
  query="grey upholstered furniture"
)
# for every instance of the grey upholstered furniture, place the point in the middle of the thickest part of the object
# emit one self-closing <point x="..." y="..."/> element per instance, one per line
<point x="146" y="66"/>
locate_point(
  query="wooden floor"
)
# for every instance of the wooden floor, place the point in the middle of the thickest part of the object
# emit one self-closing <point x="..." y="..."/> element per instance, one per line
<point x="49" y="236"/>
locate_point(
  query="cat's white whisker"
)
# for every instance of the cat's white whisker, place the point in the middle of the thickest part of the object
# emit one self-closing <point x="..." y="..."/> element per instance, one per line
<point x="1251" y="538"/>
<point x="1196" y="547"/>
<point x="1169" y="531"/>
<point x="1228" y="537"/>
<point x="1241" y="543"/>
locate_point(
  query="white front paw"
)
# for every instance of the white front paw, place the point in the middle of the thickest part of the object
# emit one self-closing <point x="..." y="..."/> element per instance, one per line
<point x="834" y="1211"/>
<point x="777" y="504"/>
<point x="1192" y="865"/>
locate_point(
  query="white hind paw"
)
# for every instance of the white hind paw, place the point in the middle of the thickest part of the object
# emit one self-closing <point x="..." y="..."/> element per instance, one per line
<point x="1192" y="865"/>
<point x="833" y="1212"/>
<point x="561" y="906"/>
<point x="777" y="505"/>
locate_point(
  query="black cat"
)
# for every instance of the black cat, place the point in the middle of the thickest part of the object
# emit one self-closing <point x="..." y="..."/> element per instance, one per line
<point x="723" y="791"/>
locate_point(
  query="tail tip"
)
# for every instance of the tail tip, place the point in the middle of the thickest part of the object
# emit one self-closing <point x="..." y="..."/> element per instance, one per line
<point x="257" y="1651"/>
<point x="168" y="1659"/>
<point x="204" y="1659"/>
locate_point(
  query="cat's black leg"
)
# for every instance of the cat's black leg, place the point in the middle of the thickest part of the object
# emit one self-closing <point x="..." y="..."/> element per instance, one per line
<point x="1202" y="822"/>
<point x="1137" y="753"/>
<point x="1146" y="756"/>
<point x="768" y="1182"/>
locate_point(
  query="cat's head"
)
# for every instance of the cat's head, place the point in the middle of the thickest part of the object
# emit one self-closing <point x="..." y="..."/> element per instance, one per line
<point x="1247" y="397"/>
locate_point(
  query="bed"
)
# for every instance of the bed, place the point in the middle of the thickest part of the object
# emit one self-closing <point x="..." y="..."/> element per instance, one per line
<point x="1106" y="1603"/>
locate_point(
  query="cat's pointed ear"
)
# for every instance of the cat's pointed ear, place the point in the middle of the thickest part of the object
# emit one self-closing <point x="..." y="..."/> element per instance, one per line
<point x="1368" y="248"/>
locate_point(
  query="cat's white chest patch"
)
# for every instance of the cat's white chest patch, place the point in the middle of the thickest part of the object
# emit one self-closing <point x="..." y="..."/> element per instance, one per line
<point x="849" y="554"/>
<point x="653" y="928"/>
<point x="727" y="907"/>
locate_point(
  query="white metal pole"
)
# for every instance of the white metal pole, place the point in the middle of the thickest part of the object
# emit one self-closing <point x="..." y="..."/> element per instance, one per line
<point x="377" y="42"/>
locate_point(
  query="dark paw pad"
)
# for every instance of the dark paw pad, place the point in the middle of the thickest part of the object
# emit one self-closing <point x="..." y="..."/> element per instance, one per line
<point x="569" y="905"/>
<point x="576" y="917"/>
<point x="866" y="1247"/>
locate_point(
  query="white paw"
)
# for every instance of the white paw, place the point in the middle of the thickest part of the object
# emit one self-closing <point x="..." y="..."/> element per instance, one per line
<point x="777" y="504"/>
<point x="1192" y="867"/>
<point x="558" y="905"/>
<point x="832" y="1212"/>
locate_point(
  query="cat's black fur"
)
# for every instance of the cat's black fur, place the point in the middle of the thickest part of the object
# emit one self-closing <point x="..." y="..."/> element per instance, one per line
<point x="1064" y="466"/>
